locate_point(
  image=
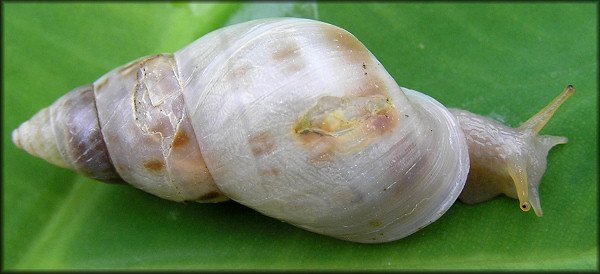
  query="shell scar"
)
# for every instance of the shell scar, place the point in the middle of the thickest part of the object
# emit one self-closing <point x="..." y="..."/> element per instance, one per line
<point x="345" y="124"/>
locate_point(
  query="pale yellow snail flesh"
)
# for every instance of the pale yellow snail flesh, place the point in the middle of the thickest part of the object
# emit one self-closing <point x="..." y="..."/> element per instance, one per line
<point x="296" y="119"/>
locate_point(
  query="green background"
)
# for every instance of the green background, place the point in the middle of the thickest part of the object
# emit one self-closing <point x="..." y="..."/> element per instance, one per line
<point x="505" y="61"/>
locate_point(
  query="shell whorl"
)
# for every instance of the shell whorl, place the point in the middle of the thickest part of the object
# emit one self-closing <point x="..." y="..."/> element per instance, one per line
<point x="339" y="173"/>
<point x="67" y="134"/>
<point x="148" y="133"/>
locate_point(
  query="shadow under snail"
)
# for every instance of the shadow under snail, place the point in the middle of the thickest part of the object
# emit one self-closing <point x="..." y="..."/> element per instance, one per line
<point x="296" y="119"/>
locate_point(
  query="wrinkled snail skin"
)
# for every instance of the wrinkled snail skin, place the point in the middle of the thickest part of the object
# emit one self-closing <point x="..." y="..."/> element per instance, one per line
<point x="296" y="119"/>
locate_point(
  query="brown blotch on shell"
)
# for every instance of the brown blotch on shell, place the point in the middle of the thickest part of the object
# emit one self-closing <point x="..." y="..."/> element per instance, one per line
<point x="181" y="139"/>
<point x="358" y="55"/>
<point x="322" y="147"/>
<point x="208" y="196"/>
<point x="371" y="85"/>
<point x="289" y="51"/>
<point x="111" y="138"/>
<point x="375" y="223"/>
<point x="290" y="58"/>
<point x="240" y="70"/>
<point x="342" y="40"/>
<point x="122" y="169"/>
<point x="381" y="123"/>
<point x="270" y="172"/>
<point x="261" y="144"/>
<point x="154" y="165"/>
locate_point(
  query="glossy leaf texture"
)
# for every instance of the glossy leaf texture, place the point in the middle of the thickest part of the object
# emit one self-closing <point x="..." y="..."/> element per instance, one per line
<point x="502" y="60"/>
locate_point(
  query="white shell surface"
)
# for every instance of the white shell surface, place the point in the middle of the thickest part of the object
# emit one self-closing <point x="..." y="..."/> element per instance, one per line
<point x="265" y="100"/>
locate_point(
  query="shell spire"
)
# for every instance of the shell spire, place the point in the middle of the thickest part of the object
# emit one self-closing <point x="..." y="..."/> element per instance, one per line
<point x="67" y="134"/>
<point x="37" y="138"/>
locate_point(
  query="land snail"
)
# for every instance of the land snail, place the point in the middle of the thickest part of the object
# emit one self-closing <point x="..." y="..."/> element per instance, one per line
<point x="296" y="119"/>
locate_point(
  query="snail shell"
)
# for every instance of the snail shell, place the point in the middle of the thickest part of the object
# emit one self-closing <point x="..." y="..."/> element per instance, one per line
<point x="296" y="119"/>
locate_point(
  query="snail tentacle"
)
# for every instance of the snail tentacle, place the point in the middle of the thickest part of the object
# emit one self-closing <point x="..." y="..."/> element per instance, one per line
<point x="508" y="160"/>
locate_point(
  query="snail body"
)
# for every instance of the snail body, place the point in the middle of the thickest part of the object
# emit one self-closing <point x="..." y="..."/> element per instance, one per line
<point x="296" y="119"/>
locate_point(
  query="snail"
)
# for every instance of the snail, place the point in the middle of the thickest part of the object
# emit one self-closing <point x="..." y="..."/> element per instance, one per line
<point x="296" y="119"/>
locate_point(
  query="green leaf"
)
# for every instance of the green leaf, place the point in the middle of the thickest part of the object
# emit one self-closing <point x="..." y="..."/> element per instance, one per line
<point x="501" y="60"/>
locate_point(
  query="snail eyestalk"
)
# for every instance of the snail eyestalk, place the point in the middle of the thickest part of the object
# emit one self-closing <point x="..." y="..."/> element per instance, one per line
<point x="508" y="160"/>
<point x="519" y="177"/>
<point x="534" y="125"/>
<point x="539" y="120"/>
